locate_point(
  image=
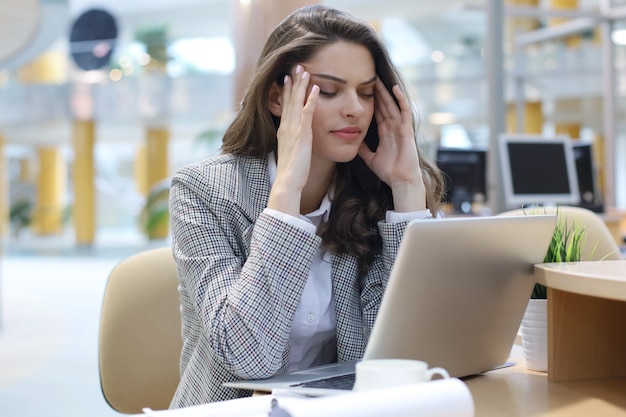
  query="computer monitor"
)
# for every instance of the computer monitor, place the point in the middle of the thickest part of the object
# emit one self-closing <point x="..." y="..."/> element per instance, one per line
<point x="464" y="172"/>
<point x="538" y="170"/>
<point x="588" y="187"/>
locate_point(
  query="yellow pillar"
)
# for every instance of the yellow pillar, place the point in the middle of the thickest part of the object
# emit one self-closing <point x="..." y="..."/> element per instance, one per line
<point x="48" y="213"/>
<point x="141" y="169"/>
<point x="157" y="144"/>
<point x="157" y="154"/>
<point x="573" y="41"/>
<point x="570" y="129"/>
<point x="48" y="68"/>
<point x="515" y="25"/>
<point x="521" y="24"/>
<point x="4" y="190"/>
<point x="533" y="118"/>
<point x="83" y="174"/>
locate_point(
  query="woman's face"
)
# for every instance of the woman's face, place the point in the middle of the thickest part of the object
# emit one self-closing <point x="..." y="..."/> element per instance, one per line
<point x="346" y="75"/>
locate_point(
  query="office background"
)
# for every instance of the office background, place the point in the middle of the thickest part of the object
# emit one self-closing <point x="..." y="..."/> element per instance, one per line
<point x="82" y="150"/>
<point x="140" y="117"/>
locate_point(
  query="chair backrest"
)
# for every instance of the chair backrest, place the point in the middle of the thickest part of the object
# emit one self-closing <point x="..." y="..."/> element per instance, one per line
<point x="598" y="235"/>
<point x="140" y="333"/>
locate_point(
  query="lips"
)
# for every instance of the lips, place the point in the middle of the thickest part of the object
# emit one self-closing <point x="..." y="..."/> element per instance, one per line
<point x="350" y="132"/>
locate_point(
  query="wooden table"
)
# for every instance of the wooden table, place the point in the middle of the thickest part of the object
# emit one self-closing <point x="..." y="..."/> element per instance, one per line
<point x="586" y="319"/>
<point x="517" y="392"/>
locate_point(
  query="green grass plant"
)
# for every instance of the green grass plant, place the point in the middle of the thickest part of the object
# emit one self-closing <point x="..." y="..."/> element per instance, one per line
<point x="566" y="246"/>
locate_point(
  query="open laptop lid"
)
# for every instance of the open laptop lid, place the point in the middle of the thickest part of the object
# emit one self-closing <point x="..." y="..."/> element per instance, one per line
<point x="455" y="298"/>
<point x="458" y="291"/>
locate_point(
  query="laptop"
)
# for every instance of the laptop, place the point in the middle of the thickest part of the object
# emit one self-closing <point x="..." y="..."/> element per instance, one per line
<point x="455" y="299"/>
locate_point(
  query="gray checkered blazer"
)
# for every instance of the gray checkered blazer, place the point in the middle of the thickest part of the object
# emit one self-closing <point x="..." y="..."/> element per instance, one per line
<point x="241" y="276"/>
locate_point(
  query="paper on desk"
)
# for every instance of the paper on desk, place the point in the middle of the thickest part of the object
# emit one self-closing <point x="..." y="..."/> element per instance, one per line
<point x="439" y="398"/>
<point x="258" y="406"/>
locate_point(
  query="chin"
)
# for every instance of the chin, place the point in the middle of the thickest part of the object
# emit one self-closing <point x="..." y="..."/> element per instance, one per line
<point x="344" y="156"/>
<point x="346" y="152"/>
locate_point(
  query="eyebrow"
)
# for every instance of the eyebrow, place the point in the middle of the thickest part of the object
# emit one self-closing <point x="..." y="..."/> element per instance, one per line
<point x="342" y="81"/>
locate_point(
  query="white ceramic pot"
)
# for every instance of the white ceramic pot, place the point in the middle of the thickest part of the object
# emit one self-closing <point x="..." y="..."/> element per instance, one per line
<point x="534" y="331"/>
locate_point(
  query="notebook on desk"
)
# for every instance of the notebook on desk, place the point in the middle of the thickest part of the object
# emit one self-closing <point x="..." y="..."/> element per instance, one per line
<point x="455" y="298"/>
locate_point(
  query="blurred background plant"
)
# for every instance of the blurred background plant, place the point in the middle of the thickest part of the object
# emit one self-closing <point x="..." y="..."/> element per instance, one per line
<point x="154" y="216"/>
<point x="20" y="215"/>
<point x="156" y="40"/>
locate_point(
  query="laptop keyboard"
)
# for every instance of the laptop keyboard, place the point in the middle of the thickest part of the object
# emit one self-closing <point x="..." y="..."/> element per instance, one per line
<point x="345" y="382"/>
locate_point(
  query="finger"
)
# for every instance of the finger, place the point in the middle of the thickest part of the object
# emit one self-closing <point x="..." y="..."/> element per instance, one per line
<point x="290" y="93"/>
<point x="300" y="83"/>
<point x="403" y="102"/>
<point x="385" y="102"/>
<point x="295" y="102"/>
<point x="287" y="87"/>
<point x="309" y="107"/>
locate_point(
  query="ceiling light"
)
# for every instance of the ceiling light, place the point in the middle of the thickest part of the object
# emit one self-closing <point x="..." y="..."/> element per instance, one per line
<point x="437" y="56"/>
<point x="619" y="37"/>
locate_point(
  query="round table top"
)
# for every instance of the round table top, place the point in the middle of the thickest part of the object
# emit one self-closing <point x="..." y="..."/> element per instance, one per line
<point x="605" y="279"/>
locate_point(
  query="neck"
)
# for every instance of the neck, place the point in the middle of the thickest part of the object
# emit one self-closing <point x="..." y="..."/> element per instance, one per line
<point x="320" y="178"/>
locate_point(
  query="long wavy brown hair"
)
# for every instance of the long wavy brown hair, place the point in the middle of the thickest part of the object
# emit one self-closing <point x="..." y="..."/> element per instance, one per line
<point x="360" y="199"/>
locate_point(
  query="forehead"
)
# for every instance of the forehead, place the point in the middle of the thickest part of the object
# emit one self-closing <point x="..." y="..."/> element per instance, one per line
<point x="346" y="60"/>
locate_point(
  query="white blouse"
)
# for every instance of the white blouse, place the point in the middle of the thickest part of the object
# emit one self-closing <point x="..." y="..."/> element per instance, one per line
<point x="313" y="333"/>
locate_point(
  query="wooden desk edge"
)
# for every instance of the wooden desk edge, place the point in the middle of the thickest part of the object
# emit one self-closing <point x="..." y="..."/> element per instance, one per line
<point x="583" y="282"/>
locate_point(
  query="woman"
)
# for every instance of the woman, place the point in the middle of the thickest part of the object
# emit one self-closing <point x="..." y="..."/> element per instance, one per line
<point x="284" y="242"/>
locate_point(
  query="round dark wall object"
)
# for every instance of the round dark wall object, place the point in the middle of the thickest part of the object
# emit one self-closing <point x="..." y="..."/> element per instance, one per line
<point x="92" y="39"/>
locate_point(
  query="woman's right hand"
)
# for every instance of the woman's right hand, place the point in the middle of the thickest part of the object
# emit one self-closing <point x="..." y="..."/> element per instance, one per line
<point x="295" y="139"/>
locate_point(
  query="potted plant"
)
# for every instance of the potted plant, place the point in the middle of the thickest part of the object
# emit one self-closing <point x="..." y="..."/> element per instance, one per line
<point x="566" y="246"/>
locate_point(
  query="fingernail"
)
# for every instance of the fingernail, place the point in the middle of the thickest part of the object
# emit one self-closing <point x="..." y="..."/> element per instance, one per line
<point x="298" y="69"/>
<point x="304" y="74"/>
<point x="286" y="79"/>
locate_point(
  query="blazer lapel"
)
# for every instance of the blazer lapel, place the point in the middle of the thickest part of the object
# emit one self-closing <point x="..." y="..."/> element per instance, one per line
<point x="350" y="335"/>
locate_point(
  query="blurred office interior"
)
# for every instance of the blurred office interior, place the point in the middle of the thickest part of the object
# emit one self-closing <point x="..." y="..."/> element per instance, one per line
<point x="87" y="147"/>
<point x="84" y="144"/>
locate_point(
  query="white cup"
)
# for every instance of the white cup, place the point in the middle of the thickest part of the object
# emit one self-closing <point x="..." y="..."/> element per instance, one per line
<point x="382" y="373"/>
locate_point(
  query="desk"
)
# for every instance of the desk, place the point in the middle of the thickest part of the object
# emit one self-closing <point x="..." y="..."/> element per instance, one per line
<point x="586" y="319"/>
<point x="515" y="391"/>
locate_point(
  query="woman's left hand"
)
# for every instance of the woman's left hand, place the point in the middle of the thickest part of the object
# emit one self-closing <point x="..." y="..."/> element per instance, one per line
<point x="396" y="161"/>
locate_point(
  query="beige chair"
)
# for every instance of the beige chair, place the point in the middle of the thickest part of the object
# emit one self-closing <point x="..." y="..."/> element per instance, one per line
<point x="140" y="333"/>
<point x="597" y="230"/>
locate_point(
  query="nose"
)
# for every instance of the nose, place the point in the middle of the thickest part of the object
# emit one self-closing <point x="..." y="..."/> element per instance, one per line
<point x="353" y="107"/>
